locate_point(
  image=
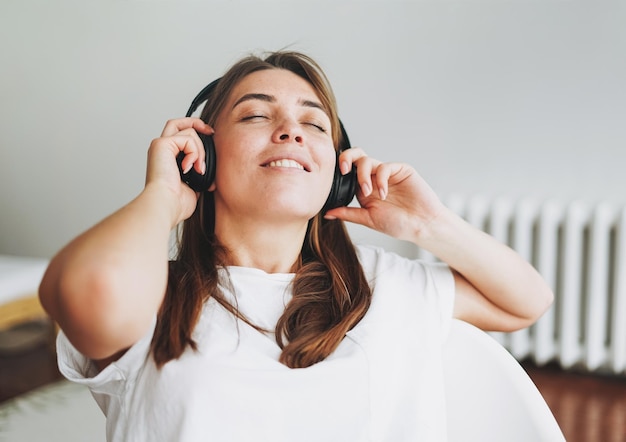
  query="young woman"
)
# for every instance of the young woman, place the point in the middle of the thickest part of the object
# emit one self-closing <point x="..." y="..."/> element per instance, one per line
<point x="270" y="324"/>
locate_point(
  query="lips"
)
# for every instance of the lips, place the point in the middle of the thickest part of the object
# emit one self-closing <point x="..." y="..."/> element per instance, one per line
<point x="288" y="160"/>
<point x="286" y="163"/>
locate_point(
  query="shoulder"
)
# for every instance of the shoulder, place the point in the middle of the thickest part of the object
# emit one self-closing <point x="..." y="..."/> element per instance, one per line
<point x="373" y="256"/>
<point x="377" y="259"/>
<point x="380" y="265"/>
<point x="408" y="291"/>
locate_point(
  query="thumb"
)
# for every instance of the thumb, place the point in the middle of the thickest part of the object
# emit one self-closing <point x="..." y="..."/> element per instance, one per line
<point x="356" y="215"/>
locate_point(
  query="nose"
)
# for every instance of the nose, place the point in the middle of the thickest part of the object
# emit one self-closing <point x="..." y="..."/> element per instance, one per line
<point x="288" y="131"/>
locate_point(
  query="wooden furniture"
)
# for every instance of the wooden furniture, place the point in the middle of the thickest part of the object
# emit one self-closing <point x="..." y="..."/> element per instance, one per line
<point x="19" y="281"/>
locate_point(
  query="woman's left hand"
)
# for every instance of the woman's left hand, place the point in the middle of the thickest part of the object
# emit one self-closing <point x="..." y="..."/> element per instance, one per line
<point x="495" y="289"/>
<point x="394" y="198"/>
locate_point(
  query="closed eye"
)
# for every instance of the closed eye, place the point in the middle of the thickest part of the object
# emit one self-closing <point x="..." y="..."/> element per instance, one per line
<point x="316" y="125"/>
<point x="253" y="117"/>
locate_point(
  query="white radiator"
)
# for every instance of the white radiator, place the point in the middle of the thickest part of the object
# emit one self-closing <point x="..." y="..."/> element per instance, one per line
<point x="581" y="252"/>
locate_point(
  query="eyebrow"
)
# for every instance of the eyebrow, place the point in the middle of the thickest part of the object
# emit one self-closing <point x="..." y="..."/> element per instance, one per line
<point x="271" y="99"/>
<point x="248" y="97"/>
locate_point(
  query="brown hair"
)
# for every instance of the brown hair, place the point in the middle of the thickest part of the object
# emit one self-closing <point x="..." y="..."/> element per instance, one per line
<point x="330" y="291"/>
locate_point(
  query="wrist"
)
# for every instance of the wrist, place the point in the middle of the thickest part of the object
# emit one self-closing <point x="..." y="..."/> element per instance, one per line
<point x="166" y="203"/>
<point x="440" y="231"/>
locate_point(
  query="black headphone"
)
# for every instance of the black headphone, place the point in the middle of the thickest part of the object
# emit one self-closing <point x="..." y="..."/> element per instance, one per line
<point x="341" y="193"/>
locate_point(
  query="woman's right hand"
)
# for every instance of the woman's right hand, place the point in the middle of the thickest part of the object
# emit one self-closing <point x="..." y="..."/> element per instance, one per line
<point x="178" y="135"/>
<point x="105" y="287"/>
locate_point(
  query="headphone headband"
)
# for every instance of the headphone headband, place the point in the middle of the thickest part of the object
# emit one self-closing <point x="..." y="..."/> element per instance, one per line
<point x="202" y="96"/>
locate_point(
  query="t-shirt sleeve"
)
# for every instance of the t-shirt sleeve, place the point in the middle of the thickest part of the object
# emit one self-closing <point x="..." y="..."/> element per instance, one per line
<point x="424" y="289"/>
<point x="110" y="383"/>
<point x="440" y="277"/>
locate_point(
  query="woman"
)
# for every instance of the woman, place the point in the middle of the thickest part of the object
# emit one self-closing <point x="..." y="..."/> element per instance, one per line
<point x="270" y="324"/>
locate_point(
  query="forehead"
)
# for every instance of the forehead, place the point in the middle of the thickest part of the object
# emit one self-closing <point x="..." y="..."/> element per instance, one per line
<point x="279" y="83"/>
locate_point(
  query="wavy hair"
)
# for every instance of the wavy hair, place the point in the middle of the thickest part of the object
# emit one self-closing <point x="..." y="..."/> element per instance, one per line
<point x="330" y="291"/>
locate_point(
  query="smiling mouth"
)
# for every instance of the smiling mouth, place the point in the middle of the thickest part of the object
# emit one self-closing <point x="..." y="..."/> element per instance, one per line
<point x="285" y="163"/>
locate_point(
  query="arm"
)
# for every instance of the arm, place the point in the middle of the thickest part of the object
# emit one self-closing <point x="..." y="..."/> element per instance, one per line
<point x="105" y="287"/>
<point x="495" y="288"/>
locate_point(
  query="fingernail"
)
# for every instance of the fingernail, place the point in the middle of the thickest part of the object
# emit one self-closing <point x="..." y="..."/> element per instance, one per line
<point x="344" y="167"/>
<point x="365" y="187"/>
<point x="203" y="168"/>
<point x="382" y="194"/>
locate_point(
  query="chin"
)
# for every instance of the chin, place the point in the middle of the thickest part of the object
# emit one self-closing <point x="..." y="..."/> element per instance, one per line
<point x="297" y="209"/>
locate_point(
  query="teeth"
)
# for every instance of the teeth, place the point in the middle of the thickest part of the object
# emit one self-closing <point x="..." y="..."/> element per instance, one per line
<point x="286" y="163"/>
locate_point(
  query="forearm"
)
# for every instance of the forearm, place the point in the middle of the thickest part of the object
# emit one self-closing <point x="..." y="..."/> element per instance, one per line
<point x="505" y="279"/>
<point x="105" y="287"/>
<point x="495" y="288"/>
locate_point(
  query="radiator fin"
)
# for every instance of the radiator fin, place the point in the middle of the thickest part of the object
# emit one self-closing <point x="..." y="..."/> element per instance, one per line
<point x="580" y="251"/>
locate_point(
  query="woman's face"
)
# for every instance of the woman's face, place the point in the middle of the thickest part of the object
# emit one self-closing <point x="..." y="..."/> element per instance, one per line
<point x="274" y="148"/>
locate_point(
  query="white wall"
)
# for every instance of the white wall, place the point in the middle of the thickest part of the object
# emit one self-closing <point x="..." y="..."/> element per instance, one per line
<point x="495" y="97"/>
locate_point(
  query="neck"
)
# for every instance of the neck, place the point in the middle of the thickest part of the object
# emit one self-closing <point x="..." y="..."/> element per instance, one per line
<point x="271" y="248"/>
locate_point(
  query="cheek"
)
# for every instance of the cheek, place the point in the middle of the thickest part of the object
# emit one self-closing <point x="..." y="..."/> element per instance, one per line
<point x="330" y="164"/>
<point x="228" y="164"/>
<point x="233" y="154"/>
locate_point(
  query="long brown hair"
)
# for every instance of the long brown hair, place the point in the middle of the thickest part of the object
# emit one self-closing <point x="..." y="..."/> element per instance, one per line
<point x="330" y="291"/>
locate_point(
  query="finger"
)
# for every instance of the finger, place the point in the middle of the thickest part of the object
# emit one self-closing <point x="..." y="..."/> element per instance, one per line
<point x="356" y="215"/>
<point x="348" y="157"/>
<point x="358" y="158"/>
<point x="176" y="125"/>
<point x="382" y="180"/>
<point x="193" y="149"/>
<point x="364" y="177"/>
<point x="365" y="167"/>
<point x="384" y="172"/>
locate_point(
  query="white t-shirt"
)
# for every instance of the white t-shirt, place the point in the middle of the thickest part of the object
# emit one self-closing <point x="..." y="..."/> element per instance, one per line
<point x="383" y="383"/>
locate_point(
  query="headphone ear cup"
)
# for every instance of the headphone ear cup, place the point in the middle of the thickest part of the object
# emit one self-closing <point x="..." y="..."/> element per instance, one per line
<point x="343" y="189"/>
<point x="344" y="186"/>
<point x="193" y="179"/>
